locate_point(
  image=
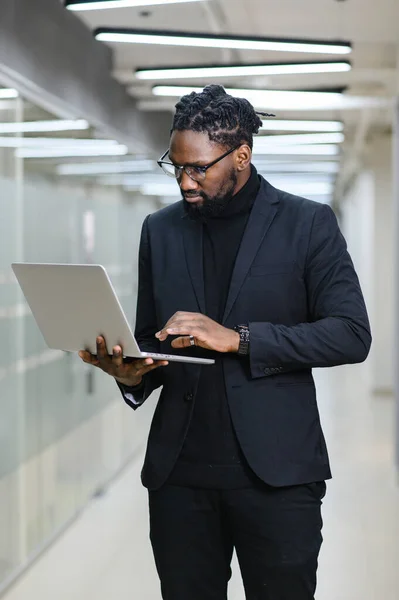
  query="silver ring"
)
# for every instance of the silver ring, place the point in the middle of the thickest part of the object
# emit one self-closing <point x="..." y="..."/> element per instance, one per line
<point x="192" y="340"/>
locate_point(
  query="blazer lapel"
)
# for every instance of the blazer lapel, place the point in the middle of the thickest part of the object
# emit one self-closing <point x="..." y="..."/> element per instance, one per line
<point x="193" y="245"/>
<point x="261" y="217"/>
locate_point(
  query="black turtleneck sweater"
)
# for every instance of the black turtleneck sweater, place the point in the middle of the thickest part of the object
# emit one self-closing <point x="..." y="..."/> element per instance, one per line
<point x="211" y="456"/>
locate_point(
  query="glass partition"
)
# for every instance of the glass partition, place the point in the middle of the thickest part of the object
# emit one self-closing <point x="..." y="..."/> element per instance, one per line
<point x="64" y="429"/>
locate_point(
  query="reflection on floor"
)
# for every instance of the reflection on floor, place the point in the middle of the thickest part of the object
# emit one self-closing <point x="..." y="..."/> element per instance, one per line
<point x="106" y="553"/>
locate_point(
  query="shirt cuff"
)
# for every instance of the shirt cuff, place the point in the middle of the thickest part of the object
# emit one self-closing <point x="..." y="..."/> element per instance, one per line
<point x="131" y="399"/>
<point x="128" y="392"/>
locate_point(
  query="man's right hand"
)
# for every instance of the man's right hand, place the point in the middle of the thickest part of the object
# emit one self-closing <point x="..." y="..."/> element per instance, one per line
<point x="126" y="373"/>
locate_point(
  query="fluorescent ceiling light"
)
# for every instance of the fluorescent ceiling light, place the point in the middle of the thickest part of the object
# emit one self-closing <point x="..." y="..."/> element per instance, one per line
<point x="307" y="167"/>
<point x="135" y="180"/>
<point x="318" y="193"/>
<point x="7" y="94"/>
<point x="288" y="125"/>
<point x="302" y="188"/>
<point x="242" y="70"/>
<point x="35" y="142"/>
<point x="313" y="185"/>
<point x="159" y="181"/>
<point x="160" y="189"/>
<point x="44" y="126"/>
<point x="302" y="150"/>
<point x="109" y="4"/>
<point x="299" y="179"/>
<point x="299" y="187"/>
<point x="205" y="40"/>
<point x="292" y="176"/>
<point x="104" y="168"/>
<point x="70" y="151"/>
<point x="306" y="138"/>
<point x="283" y="99"/>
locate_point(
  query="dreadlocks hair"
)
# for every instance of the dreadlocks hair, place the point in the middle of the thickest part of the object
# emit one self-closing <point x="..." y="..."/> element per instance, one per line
<point x="227" y="120"/>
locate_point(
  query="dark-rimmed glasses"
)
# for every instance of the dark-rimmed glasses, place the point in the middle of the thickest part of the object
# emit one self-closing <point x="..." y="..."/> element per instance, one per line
<point x="194" y="172"/>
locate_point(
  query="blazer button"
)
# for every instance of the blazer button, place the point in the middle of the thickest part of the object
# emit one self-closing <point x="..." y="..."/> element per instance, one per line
<point x="189" y="397"/>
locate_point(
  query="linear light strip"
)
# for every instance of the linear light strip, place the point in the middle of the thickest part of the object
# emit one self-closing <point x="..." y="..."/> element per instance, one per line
<point x="112" y="4"/>
<point x="70" y="152"/>
<point x="298" y="188"/>
<point x="302" y="187"/>
<point x="304" y="150"/>
<point x="98" y="169"/>
<point x="286" y="99"/>
<point x="44" y="126"/>
<point x="104" y="168"/>
<point x="307" y="168"/>
<point x="204" y="40"/>
<point x="8" y="93"/>
<point x="159" y="190"/>
<point x="294" y="178"/>
<point x="154" y="179"/>
<point x="272" y="159"/>
<point x="305" y="138"/>
<point x="242" y="71"/>
<point x="260" y="96"/>
<point x="289" y="125"/>
<point x="136" y="179"/>
<point x="35" y="142"/>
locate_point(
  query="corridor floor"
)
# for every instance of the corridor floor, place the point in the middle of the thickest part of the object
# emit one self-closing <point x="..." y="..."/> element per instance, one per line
<point x="106" y="553"/>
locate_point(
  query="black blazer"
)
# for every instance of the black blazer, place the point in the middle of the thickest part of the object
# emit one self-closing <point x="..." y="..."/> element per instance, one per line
<point x="294" y="283"/>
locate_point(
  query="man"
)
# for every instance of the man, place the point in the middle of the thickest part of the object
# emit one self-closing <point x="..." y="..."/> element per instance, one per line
<point x="261" y="281"/>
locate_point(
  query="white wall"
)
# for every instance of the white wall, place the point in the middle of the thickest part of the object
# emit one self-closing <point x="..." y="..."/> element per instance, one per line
<point x="65" y="430"/>
<point x="384" y="288"/>
<point x="357" y="224"/>
<point x="368" y="225"/>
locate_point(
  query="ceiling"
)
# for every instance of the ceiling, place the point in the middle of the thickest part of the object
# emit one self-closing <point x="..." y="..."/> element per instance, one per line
<point x="372" y="28"/>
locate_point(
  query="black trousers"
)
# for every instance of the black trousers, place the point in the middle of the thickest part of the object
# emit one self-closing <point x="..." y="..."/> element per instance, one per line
<point x="276" y="533"/>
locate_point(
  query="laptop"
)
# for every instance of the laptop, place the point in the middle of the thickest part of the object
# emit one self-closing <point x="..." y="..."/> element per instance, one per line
<point x="73" y="304"/>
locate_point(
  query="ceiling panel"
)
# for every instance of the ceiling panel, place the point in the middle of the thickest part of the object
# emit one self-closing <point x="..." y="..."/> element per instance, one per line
<point x="190" y="16"/>
<point x="359" y="20"/>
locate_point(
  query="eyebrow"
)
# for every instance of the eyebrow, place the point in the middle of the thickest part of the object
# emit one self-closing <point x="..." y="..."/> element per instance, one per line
<point x="193" y="164"/>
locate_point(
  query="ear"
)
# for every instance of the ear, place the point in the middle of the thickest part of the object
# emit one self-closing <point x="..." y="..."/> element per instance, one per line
<point x="243" y="157"/>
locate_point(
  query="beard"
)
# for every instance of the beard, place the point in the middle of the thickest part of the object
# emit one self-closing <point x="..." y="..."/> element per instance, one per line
<point x="212" y="206"/>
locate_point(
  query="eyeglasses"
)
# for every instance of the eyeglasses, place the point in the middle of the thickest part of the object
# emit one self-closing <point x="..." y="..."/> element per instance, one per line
<point x="195" y="173"/>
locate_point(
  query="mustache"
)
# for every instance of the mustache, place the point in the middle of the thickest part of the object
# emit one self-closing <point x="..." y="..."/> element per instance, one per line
<point x="193" y="195"/>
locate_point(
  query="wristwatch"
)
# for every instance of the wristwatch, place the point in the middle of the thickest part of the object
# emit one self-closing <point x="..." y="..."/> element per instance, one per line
<point x="243" y="331"/>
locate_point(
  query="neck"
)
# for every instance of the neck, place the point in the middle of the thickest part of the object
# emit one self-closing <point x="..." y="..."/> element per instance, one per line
<point x="242" y="179"/>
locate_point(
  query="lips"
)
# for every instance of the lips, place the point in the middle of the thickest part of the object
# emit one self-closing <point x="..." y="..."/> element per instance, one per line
<point x="193" y="199"/>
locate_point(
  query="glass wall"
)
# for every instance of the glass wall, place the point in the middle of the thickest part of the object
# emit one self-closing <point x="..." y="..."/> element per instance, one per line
<point x="64" y="429"/>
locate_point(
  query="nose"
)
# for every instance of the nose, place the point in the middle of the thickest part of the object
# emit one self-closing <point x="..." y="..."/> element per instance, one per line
<point x="187" y="184"/>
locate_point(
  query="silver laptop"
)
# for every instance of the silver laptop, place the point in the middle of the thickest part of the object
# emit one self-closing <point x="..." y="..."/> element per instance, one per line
<point x="73" y="304"/>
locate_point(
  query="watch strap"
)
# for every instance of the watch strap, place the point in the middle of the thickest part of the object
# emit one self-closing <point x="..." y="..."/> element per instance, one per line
<point x="243" y="331"/>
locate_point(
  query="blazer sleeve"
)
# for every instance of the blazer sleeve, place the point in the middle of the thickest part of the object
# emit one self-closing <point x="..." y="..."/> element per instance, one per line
<point x="337" y="331"/>
<point x="146" y="325"/>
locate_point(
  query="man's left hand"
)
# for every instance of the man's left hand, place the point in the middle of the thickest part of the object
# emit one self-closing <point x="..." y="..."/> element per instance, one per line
<point x="207" y="333"/>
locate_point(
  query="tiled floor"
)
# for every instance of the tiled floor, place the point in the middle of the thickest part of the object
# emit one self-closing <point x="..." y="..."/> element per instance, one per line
<point x="106" y="553"/>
